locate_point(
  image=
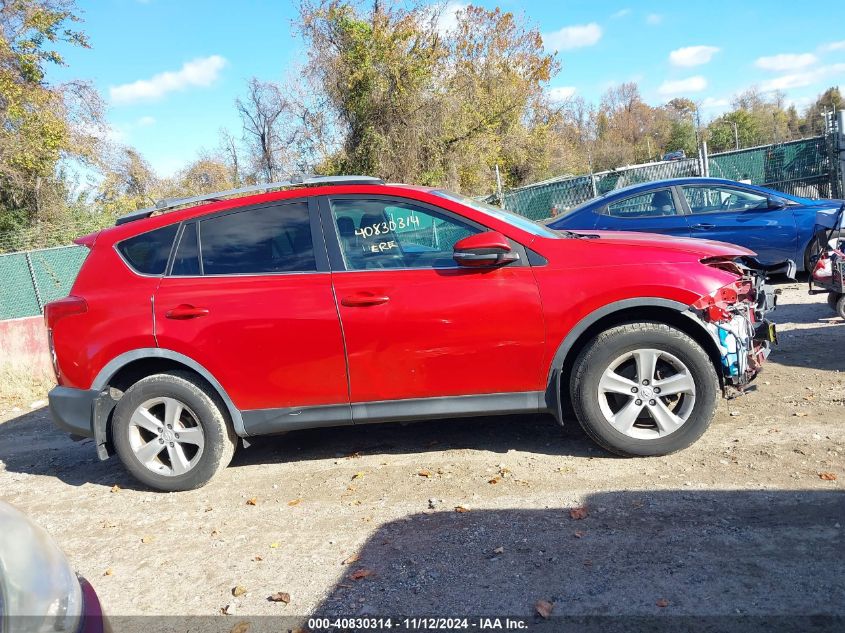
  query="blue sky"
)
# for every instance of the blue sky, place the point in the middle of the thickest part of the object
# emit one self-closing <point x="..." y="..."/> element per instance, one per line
<point x="170" y="70"/>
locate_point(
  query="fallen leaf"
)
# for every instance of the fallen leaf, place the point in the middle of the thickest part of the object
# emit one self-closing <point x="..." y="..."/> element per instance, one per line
<point x="115" y="488"/>
<point x="354" y="455"/>
<point x="580" y="534"/>
<point x="588" y="563"/>
<point x="358" y="475"/>
<point x="274" y="545"/>
<point x="280" y="596"/>
<point x="214" y="532"/>
<point x="351" y="559"/>
<point x="146" y="539"/>
<point x="425" y="472"/>
<point x="495" y="480"/>
<point x="360" y="574"/>
<point x="108" y="572"/>
<point x="257" y="559"/>
<point x="294" y="502"/>
<point x="241" y="627"/>
<point x="461" y="509"/>
<point x="209" y="509"/>
<point x="499" y="550"/>
<point x="800" y="414"/>
<point x="238" y="591"/>
<point x="544" y="608"/>
<point x="578" y="513"/>
<point x="662" y="603"/>
<point x="828" y="476"/>
<point x="252" y="501"/>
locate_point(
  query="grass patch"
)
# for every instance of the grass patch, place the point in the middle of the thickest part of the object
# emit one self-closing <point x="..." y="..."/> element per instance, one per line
<point x="21" y="386"/>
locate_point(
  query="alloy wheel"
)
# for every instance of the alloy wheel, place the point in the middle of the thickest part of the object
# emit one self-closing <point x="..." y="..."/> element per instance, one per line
<point x="166" y="436"/>
<point x="647" y="393"/>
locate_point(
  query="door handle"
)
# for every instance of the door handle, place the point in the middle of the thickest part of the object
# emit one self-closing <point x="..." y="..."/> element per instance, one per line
<point x="362" y="300"/>
<point x="185" y="311"/>
<point x="702" y="227"/>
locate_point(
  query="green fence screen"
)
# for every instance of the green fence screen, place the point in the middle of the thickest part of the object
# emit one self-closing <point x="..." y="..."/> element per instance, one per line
<point x="33" y="278"/>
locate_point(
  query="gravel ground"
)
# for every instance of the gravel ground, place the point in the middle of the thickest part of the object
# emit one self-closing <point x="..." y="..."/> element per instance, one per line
<point x="477" y="516"/>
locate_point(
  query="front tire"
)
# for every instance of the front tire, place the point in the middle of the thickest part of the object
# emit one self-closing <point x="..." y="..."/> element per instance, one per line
<point x="644" y="389"/>
<point x="171" y="432"/>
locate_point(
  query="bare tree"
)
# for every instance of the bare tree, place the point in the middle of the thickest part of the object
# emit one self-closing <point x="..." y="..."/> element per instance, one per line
<point x="260" y="111"/>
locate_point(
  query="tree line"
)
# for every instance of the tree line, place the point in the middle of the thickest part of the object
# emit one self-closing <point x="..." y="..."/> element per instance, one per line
<point x="388" y="89"/>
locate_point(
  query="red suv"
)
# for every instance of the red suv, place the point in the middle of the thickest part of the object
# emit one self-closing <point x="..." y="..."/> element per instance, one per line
<point x="348" y="301"/>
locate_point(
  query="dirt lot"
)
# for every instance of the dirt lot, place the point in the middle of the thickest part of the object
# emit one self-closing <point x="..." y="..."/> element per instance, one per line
<point x="746" y="522"/>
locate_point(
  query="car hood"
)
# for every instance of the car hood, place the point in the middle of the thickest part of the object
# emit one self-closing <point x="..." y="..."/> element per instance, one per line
<point x="697" y="248"/>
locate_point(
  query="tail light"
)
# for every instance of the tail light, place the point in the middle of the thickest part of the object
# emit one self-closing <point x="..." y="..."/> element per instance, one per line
<point x="55" y="311"/>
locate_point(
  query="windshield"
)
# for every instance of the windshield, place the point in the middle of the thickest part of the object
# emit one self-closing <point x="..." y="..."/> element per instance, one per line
<point x="519" y="221"/>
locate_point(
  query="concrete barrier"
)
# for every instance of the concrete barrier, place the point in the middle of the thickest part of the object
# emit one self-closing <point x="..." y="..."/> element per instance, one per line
<point x="23" y="345"/>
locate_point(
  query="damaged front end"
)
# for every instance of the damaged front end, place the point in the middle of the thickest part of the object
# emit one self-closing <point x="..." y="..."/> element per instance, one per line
<point x="735" y="316"/>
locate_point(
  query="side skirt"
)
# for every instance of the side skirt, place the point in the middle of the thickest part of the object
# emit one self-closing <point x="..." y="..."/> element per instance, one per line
<point x="269" y="421"/>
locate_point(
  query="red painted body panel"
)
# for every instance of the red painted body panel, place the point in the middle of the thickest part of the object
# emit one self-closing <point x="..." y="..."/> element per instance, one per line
<point x="276" y="340"/>
<point x="442" y="332"/>
<point x="272" y="341"/>
<point x="119" y="317"/>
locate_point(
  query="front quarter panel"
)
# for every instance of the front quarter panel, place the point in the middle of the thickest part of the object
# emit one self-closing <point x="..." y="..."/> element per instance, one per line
<point x="582" y="277"/>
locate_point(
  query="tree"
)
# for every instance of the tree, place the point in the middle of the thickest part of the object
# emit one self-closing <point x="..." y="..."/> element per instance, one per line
<point x="409" y="101"/>
<point x="260" y="112"/>
<point x="39" y="123"/>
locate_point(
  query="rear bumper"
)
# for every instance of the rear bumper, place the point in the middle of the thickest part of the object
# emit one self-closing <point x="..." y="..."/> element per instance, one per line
<point x="83" y="412"/>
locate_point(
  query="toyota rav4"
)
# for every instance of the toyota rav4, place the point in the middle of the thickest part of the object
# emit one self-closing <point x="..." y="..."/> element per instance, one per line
<point x="348" y="301"/>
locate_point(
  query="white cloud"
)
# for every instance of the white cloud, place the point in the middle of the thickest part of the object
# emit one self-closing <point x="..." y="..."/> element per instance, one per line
<point x="714" y="102"/>
<point x="799" y="80"/>
<point x="653" y="19"/>
<point x="692" y="55"/>
<point x="621" y="13"/>
<point x="786" y="61"/>
<point x="680" y="87"/>
<point x="570" y="37"/>
<point x="198" y="72"/>
<point x="561" y="93"/>
<point x="447" y="20"/>
<point x="833" y="46"/>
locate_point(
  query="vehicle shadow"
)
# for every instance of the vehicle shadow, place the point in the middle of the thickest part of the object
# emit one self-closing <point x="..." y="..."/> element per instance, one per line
<point x="31" y="444"/>
<point x="496" y="434"/>
<point x="722" y="558"/>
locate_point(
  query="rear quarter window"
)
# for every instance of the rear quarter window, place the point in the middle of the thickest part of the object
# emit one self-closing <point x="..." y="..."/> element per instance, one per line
<point x="148" y="253"/>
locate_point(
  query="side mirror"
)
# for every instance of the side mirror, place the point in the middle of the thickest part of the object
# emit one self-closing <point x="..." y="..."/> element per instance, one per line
<point x="777" y="203"/>
<point x="484" y="250"/>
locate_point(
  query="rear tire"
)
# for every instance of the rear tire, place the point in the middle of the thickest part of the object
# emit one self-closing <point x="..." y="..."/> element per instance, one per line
<point x="644" y="389"/>
<point x="839" y="306"/>
<point x="171" y="432"/>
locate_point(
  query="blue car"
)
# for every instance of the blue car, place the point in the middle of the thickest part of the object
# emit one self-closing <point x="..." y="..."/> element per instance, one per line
<point x="775" y="225"/>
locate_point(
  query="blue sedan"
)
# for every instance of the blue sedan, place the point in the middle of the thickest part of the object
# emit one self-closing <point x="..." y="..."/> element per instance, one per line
<point x="775" y="225"/>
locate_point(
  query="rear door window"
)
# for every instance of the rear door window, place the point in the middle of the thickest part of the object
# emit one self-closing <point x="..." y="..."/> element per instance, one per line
<point x="148" y="253"/>
<point x="647" y="205"/>
<point x="268" y="240"/>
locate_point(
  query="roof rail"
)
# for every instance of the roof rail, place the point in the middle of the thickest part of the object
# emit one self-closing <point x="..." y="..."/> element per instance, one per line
<point x="301" y="181"/>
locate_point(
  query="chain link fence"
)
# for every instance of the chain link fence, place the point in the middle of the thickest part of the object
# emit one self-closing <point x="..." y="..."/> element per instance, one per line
<point x="32" y="278"/>
<point x="808" y="167"/>
<point x="802" y="168"/>
<point x="550" y="197"/>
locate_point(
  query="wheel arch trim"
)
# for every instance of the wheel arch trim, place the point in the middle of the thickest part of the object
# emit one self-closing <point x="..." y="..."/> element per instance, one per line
<point x="101" y="381"/>
<point x="553" y="387"/>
